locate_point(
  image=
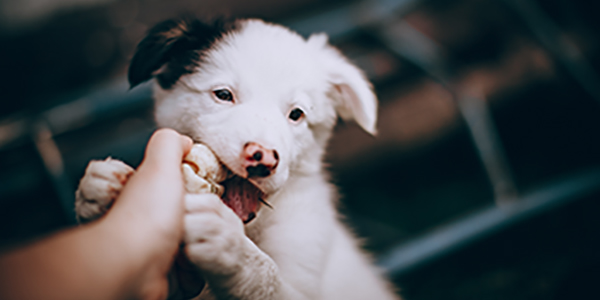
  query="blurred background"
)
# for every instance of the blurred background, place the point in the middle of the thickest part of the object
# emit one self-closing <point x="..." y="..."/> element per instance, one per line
<point x="484" y="180"/>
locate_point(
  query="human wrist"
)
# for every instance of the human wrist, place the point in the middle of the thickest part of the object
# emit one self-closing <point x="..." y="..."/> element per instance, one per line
<point x="136" y="263"/>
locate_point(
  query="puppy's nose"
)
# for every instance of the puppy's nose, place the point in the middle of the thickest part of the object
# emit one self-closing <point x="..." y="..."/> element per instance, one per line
<point x="258" y="160"/>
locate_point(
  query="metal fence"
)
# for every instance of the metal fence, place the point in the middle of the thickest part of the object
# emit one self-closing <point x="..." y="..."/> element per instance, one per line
<point x="384" y="23"/>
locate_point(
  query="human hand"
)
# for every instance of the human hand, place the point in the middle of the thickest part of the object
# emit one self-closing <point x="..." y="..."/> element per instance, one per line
<point x="124" y="255"/>
<point x="148" y="213"/>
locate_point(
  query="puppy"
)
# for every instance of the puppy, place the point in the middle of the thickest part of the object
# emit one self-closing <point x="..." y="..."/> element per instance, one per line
<point x="265" y="100"/>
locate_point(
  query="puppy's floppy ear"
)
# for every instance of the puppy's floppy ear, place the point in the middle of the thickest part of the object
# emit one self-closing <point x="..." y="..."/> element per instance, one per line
<point x="351" y="91"/>
<point x="171" y="49"/>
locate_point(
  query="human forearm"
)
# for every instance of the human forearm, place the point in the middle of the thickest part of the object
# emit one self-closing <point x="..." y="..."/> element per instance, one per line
<point x="90" y="262"/>
<point x="125" y="254"/>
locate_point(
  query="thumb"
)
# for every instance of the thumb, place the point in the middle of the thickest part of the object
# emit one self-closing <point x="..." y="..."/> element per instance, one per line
<point x="166" y="149"/>
<point x="156" y="189"/>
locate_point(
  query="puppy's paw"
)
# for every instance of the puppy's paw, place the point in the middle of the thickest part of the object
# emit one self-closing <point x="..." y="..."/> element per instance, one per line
<point x="214" y="235"/>
<point x="99" y="187"/>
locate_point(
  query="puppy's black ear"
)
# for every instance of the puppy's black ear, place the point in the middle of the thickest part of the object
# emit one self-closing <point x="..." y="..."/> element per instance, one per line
<point x="172" y="48"/>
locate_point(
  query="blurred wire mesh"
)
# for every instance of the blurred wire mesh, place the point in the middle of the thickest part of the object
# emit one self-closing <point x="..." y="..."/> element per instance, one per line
<point x="484" y="178"/>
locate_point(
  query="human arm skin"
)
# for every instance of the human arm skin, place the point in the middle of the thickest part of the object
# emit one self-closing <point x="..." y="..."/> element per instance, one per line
<point x="124" y="255"/>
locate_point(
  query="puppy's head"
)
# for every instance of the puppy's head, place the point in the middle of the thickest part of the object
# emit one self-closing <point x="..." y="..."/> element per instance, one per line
<point x="261" y="96"/>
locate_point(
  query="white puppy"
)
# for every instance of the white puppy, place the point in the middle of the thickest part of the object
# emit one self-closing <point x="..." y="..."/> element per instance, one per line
<point x="265" y="100"/>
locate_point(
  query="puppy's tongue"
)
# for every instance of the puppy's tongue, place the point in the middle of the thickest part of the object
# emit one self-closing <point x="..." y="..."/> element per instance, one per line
<point x="242" y="197"/>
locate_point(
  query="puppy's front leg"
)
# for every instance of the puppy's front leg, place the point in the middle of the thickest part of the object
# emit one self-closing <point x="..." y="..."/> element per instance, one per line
<point x="234" y="267"/>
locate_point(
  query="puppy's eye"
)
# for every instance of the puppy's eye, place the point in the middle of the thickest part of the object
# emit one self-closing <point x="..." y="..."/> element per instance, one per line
<point x="296" y="114"/>
<point x="223" y="95"/>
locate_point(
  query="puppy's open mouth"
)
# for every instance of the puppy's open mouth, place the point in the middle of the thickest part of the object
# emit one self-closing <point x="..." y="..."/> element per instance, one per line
<point x="203" y="172"/>
<point x="243" y="197"/>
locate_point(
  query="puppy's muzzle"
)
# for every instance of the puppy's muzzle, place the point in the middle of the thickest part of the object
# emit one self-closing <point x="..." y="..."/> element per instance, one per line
<point x="259" y="161"/>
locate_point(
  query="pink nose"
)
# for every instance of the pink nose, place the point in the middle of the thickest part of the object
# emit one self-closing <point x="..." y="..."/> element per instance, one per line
<point x="258" y="160"/>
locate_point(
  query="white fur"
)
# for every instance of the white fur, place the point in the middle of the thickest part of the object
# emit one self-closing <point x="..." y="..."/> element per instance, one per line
<point x="299" y="249"/>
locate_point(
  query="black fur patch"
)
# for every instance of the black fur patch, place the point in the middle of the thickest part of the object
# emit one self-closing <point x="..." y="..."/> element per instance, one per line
<point x="174" y="48"/>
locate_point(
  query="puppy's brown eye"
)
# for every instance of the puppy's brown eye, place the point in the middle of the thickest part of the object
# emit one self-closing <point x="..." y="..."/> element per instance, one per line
<point x="224" y="95"/>
<point x="296" y="114"/>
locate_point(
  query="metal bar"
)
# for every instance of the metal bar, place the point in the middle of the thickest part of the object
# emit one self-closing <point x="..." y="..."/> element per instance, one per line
<point x="113" y="97"/>
<point x="344" y="21"/>
<point x="405" y="41"/>
<point x="489" y="148"/>
<point x="97" y="104"/>
<point x="551" y="37"/>
<point x="454" y="236"/>
<point x="54" y="165"/>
